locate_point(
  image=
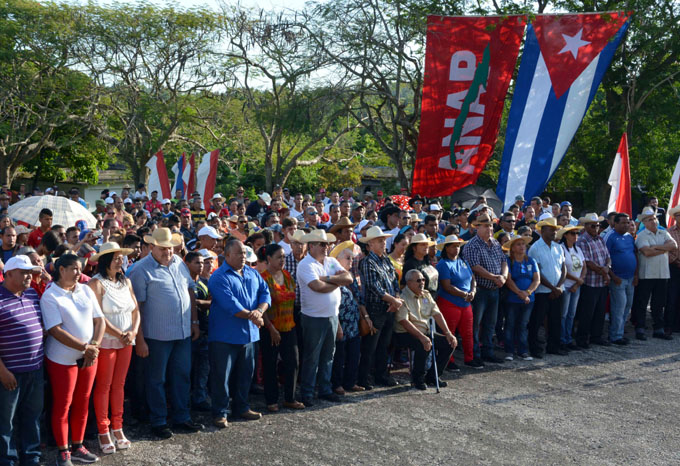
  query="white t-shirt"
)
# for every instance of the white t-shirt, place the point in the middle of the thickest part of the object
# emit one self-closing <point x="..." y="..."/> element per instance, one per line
<point x="388" y="241"/>
<point x="315" y="304"/>
<point x="575" y="261"/>
<point x="74" y="311"/>
<point x="296" y="214"/>
<point x="286" y="247"/>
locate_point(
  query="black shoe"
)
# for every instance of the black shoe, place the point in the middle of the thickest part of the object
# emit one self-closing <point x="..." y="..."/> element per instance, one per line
<point x="334" y="397"/>
<point x="573" y="347"/>
<point x="189" y="427"/>
<point x="307" y="402"/>
<point x="203" y="407"/>
<point x="565" y="348"/>
<point x="662" y="336"/>
<point x="453" y="367"/>
<point x="620" y="342"/>
<point x="600" y="342"/>
<point x="559" y="352"/>
<point x="493" y="359"/>
<point x="583" y="345"/>
<point x="442" y="383"/>
<point x="387" y="382"/>
<point x="419" y="385"/>
<point x="162" y="432"/>
<point x="537" y="355"/>
<point x="641" y="336"/>
<point x="475" y="364"/>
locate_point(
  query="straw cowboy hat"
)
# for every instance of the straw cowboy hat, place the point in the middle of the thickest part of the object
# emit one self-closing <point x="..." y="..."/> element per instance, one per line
<point x="374" y="233"/>
<point x="548" y="222"/>
<point x="162" y="237"/>
<point x="451" y="239"/>
<point x="108" y="248"/>
<point x="422" y="238"/>
<point x="645" y="214"/>
<point x="335" y="252"/>
<point x="344" y="222"/>
<point x="297" y="236"/>
<point x="507" y="246"/>
<point x="671" y="212"/>
<point x="318" y="236"/>
<point x="482" y="219"/>
<point x="567" y="229"/>
<point x="591" y="217"/>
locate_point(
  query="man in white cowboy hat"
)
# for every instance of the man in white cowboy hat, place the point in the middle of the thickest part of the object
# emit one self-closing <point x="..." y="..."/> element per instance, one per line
<point x="553" y="271"/>
<point x="165" y="292"/>
<point x="673" y="298"/>
<point x="621" y="246"/>
<point x="381" y="296"/>
<point x="260" y="206"/>
<point x="653" y="244"/>
<point x="240" y="297"/>
<point x="593" y="298"/>
<point x="217" y="206"/>
<point x="487" y="260"/>
<point x="320" y="278"/>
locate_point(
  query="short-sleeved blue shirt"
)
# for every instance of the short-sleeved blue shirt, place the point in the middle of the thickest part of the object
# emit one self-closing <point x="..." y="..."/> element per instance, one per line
<point x="622" y="251"/>
<point x="522" y="273"/>
<point x="459" y="273"/>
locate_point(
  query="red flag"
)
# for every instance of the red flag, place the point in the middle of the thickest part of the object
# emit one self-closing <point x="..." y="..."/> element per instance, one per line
<point x="191" y="183"/>
<point x="469" y="62"/>
<point x="619" y="180"/>
<point x="158" y="176"/>
<point x="206" y="177"/>
<point x="675" y="195"/>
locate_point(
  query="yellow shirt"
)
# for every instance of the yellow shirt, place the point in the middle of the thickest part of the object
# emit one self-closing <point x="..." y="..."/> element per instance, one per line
<point x="417" y="309"/>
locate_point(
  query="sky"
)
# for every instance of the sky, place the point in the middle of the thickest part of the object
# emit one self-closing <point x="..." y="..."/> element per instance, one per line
<point x="214" y="4"/>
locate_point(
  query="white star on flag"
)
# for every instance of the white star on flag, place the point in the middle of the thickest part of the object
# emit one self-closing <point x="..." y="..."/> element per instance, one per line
<point x="573" y="43"/>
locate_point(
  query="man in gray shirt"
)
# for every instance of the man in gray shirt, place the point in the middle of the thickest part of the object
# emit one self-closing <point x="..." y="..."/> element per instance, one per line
<point x="165" y="292"/>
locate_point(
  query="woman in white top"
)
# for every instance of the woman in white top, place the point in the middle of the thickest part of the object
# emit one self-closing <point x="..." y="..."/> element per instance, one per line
<point x="75" y="326"/>
<point x="576" y="274"/>
<point x="117" y="300"/>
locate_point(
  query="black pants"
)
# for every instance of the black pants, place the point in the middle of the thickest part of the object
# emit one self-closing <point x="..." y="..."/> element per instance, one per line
<point x="422" y="360"/>
<point x="346" y="363"/>
<point x="654" y="288"/>
<point x="289" y="357"/>
<point x="374" y="348"/>
<point x="552" y="308"/>
<point x="590" y="313"/>
<point x="672" y="314"/>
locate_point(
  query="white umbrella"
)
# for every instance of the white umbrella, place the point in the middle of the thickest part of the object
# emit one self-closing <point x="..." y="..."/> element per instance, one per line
<point x="65" y="212"/>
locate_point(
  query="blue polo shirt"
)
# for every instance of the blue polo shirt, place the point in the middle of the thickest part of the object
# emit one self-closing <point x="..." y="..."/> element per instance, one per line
<point x="459" y="273"/>
<point x="622" y="251"/>
<point x="522" y="273"/>
<point x="232" y="293"/>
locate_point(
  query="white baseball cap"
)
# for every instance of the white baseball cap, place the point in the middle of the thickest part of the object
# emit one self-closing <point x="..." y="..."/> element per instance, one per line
<point x="109" y="200"/>
<point x="20" y="262"/>
<point x="435" y="207"/>
<point x="209" y="231"/>
<point x="166" y="201"/>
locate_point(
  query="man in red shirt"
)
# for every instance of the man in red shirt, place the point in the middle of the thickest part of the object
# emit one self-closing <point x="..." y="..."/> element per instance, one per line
<point x="153" y="203"/>
<point x="45" y="219"/>
<point x="217" y="206"/>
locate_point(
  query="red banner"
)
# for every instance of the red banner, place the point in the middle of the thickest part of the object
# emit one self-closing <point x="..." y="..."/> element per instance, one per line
<point x="469" y="62"/>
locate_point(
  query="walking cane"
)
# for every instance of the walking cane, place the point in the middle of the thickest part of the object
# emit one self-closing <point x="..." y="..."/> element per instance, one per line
<point x="434" y="355"/>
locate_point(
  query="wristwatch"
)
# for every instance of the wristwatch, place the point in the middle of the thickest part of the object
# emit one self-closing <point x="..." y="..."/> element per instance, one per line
<point x="195" y="322"/>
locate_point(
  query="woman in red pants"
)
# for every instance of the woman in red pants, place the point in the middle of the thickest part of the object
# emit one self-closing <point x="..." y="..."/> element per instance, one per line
<point x="456" y="290"/>
<point x="117" y="300"/>
<point x="75" y="327"/>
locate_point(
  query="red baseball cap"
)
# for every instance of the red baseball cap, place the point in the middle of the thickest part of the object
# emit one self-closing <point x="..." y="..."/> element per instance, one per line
<point x="380" y="193"/>
<point x="185" y="212"/>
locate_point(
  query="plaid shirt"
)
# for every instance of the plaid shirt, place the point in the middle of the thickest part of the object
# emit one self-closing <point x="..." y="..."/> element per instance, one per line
<point x="291" y="266"/>
<point x="489" y="255"/>
<point x="594" y="250"/>
<point x="377" y="278"/>
<point x="674" y="255"/>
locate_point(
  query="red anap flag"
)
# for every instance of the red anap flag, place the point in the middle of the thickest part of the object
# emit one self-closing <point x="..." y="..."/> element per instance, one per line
<point x="464" y="55"/>
<point x="619" y="180"/>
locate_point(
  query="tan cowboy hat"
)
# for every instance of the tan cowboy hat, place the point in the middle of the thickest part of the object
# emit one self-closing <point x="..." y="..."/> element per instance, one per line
<point x="233" y="219"/>
<point x="108" y="248"/>
<point x="344" y="222"/>
<point x="415" y="218"/>
<point x="163" y="237"/>
<point x="297" y="236"/>
<point x="507" y="246"/>
<point x="645" y="214"/>
<point x="548" y="222"/>
<point x="591" y="217"/>
<point x="422" y="238"/>
<point x="318" y="236"/>
<point x="567" y="229"/>
<point x="335" y="252"/>
<point x="671" y="212"/>
<point x="373" y="233"/>
<point x="482" y="219"/>
<point x="451" y="239"/>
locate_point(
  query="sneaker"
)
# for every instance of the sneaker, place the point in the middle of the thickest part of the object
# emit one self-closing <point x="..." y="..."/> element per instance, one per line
<point x="64" y="458"/>
<point x="475" y="364"/>
<point x="509" y="357"/>
<point x="453" y="367"/>
<point x="82" y="455"/>
<point x="526" y="357"/>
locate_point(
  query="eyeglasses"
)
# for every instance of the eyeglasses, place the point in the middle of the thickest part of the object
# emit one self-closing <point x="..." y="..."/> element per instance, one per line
<point x="418" y="202"/>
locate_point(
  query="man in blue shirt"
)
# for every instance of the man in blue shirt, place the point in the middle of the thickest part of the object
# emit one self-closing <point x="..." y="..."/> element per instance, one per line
<point x="239" y="299"/>
<point x="623" y="273"/>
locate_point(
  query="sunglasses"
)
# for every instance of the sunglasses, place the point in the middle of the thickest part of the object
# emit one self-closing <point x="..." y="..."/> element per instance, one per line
<point x="419" y="280"/>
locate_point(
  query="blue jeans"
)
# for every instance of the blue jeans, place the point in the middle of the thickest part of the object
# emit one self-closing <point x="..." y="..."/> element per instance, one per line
<point x="236" y="361"/>
<point x="620" y="303"/>
<point x="20" y="411"/>
<point x="174" y="358"/>
<point x="200" y="370"/>
<point x="319" y="346"/>
<point x="484" y="313"/>
<point x="569" y="305"/>
<point x="516" y="327"/>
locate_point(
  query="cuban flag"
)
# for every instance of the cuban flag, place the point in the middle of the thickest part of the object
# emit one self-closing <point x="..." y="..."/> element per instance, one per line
<point x="564" y="60"/>
<point x="180" y="169"/>
<point x="158" y="176"/>
<point x="620" y="199"/>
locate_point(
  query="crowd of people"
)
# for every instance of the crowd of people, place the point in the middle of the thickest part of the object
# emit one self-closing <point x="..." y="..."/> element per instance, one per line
<point x="178" y="308"/>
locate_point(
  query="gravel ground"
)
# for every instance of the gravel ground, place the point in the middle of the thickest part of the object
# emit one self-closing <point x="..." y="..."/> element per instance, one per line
<point x="607" y="405"/>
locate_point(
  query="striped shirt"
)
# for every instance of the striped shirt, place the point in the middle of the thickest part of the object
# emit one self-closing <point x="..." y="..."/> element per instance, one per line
<point x="21" y="334"/>
<point x="163" y="295"/>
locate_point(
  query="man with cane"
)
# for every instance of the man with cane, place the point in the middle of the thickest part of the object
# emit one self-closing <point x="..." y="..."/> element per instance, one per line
<point x="412" y="327"/>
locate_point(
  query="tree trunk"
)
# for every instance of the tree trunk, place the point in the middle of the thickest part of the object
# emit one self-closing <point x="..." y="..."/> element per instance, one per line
<point x="6" y="174"/>
<point x="268" y="173"/>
